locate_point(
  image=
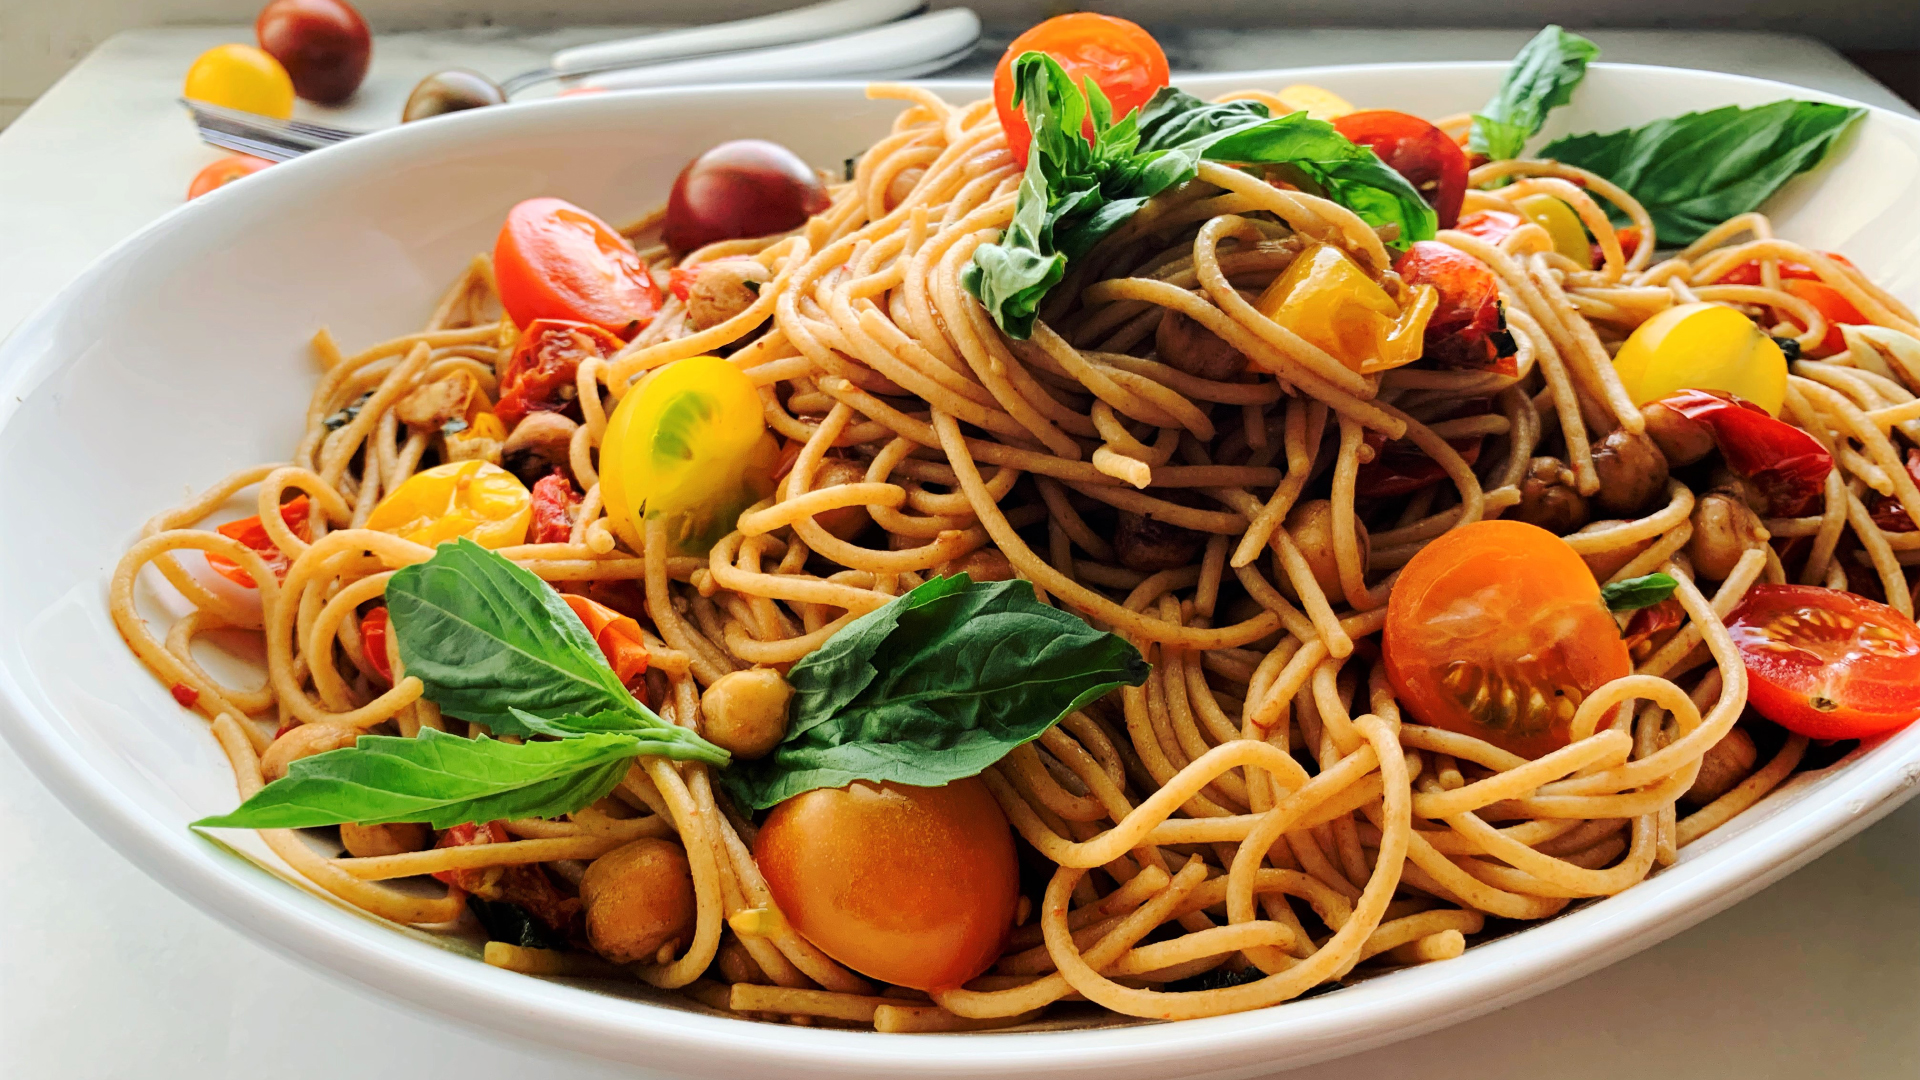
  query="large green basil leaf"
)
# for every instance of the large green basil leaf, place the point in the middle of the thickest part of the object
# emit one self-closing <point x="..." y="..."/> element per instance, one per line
<point x="1541" y="78"/>
<point x="441" y="779"/>
<point x="935" y="686"/>
<point x="1695" y="171"/>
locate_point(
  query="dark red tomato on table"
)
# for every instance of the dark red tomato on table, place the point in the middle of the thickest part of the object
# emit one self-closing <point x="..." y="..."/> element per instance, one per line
<point x="554" y="260"/>
<point x="323" y="44"/>
<point x="1827" y="664"/>
<point x="253" y="534"/>
<point x="224" y="172"/>
<point x="539" y="376"/>
<point x="741" y="189"/>
<point x="909" y="885"/>
<point x="1434" y="164"/>
<point x="1122" y="59"/>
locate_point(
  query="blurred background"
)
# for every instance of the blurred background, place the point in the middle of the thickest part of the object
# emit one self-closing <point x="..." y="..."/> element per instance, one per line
<point x="40" y="39"/>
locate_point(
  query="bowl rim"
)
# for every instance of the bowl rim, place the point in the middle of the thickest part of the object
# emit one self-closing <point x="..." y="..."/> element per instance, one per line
<point x="1874" y="781"/>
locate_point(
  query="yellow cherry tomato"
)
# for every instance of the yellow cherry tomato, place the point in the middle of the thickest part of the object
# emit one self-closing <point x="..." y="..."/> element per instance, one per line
<point x="241" y="77"/>
<point x="1326" y="298"/>
<point x="1317" y="102"/>
<point x="484" y="433"/>
<point x="690" y="446"/>
<point x="1562" y="224"/>
<point x="475" y="499"/>
<point x="1702" y="347"/>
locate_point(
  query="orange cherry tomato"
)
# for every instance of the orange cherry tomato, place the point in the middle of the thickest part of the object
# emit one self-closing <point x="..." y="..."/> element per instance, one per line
<point x="1122" y="60"/>
<point x="1434" y="164"/>
<point x="554" y="260"/>
<point x="1834" y="305"/>
<point x="224" y="172"/>
<point x="1496" y="630"/>
<point x="373" y="641"/>
<point x="912" y="886"/>
<point x="1827" y="664"/>
<point x="252" y="533"/>
<point x="617" y="635"/>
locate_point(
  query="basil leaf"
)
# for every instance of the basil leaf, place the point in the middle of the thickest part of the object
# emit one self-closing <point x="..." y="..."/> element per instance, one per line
<point x="1636" y="593"/>
<point x="1542" y="77"/>
<point x="1694" y="171"/>
<point x="441" y="779"/>
<point x="506" y="921"/>
<point x="489" y="639"/>
<point x="935" y="686"/>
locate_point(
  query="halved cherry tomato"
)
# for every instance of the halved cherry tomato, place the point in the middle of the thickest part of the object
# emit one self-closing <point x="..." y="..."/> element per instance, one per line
<point x="252" y="533"/>
<point x="553" y="503"/>
<point x="1563" y="227"/>
<point x="1827" y="664"/>
<point x="475" y="499"/>
<point x="373" y="640"/>
<point x="1702" y="346"/>
<point x="1434" y="164"/>
<point x="1122" y="60"/>
<point x="1748" y="273"/>
<point x="1783" y="465"/>
<point x="690" y="446"/>
<point x="912" y="886"/>
<point x="1460" y="334"/>
<point x="1888" y="512"/>
<point x="1493" y="226"/>
<point x="1629" y="237"/>
<point x="540" y="375"/>
<point x="1834" y="305"/>
<point x="1327" y="299"/>
<point x="224" y="172"/>
<point x="617" y="635"/>
<point x="554" y="260"/>
<point x="1496" y="630"/>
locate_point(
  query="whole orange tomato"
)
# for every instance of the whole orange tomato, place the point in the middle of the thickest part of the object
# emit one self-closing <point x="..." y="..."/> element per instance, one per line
<point x="1121" y="58"/>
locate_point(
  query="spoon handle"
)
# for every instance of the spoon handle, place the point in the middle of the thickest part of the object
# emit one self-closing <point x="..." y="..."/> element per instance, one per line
<point x="912" y="47"/>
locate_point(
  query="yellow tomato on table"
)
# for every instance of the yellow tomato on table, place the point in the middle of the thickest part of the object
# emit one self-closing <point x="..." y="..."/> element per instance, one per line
<point x="1327" y="299"/>
<point x="241" y="77"/>
<point x="1703" y="347"/>
<point x="689" y="446"/>
<point x="480" y="501"/>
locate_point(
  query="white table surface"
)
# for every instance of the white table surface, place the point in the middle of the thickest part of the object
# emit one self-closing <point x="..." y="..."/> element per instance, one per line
<point x="103" y="973"/>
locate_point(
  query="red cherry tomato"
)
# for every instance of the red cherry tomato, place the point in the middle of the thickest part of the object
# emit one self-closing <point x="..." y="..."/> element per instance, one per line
<point x="1122" y="60"/>
<point x="553" y="503"/>
<point x="1828" y="664"/>
<point x="1434" y="164"/>
<point x="1459" y="333"/>
<point x="252" y="533"/>
<point x="1748" y="273"/>
<point x="224" y="172"/>
<point x="373" y="641"/>
<point x="1493" y="226"/>
<point x="740" y="189"/>
<point x="323" y="44"/>
<point x="554" y="260"/>
<point x="912" y="886"/>
<point x="1833" y="304"/>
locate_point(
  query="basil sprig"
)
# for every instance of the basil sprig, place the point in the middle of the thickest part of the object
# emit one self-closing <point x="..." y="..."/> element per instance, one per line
<point x="935" y="686"/>
<point x="1695" y="171"/>
<point x="1636" y="593"/>
<point x="1076" y="191"/>
<point x="1541" y="78"/>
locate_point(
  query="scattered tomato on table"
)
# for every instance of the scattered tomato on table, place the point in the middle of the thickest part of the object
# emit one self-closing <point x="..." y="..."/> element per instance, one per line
<point x="453" y="90"/>
<point x="241" y="77"/>
<point x="224" y="172"/>
<point x="323" y="44"/>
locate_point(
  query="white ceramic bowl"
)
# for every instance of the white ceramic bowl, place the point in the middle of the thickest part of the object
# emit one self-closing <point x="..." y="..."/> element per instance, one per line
<point x="181" y="355"/>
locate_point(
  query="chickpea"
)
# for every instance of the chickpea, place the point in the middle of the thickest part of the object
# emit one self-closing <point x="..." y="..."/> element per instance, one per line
<point x="746" y="711"/>
<point x="367" y="841"/>
<point x="538" y="445"/>
<point x="845" y="522"/>
<point x="1605" y="564"/>
<point x="1548" y="498"/>
<point x="1725" y="764"/>
<point x="304" y="741"/>
<point x="639" y="899"/>
<point x="722" y="289"/>
<point x="1632" y="471"/>
<point x="736" y="964"/>
<point x="1150" y="546"/>
<point x="1681" y="441"/>
<point x="1184" y="344"/>
<point x="986" y="564"/>
<point x="1311" y="526"/>
<point x="1724" y="529"/>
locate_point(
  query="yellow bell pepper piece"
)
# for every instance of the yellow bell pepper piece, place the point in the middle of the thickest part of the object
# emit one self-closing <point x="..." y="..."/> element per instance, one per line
<point x="1327" y="299"/>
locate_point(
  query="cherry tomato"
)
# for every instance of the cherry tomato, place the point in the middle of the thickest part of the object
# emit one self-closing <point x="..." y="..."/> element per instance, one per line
<point x="1493" y="226"/>
<point x="1496" y="630"/>
<point x="373" y="641"/>
<point x="690" y="446"/>
<point x="1748" y="273"/>
<point x="553" y="503"/>
<point x="1434" y="164"/>
<point x="540" y="377"/>
<point x="1833" y="304"/>
<point x="1317" y="102"/>
<point x="224" y="172"/>
<point x="1122" y="60"/>
<point x="455" y="90"/>
<point x="1562" y="224"/>
<point x="741" y="189"/>
<point x="475" y="499"/>
<point x="1460" y="334"/>
<point x="617" y="635"/>
<point x="1702" y="347"/>
<point x="323" y="44"/>
<point x="1327" y="299"/>
<point x="912" y="886"/>
<point x="1827" y="664"/>
<point x="252" y="533"/>
<point x="241" y="77"/>
<point x="554" y="260"/>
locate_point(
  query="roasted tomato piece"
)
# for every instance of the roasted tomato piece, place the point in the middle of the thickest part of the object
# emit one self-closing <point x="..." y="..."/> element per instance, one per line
<point x="540" y="376"/>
